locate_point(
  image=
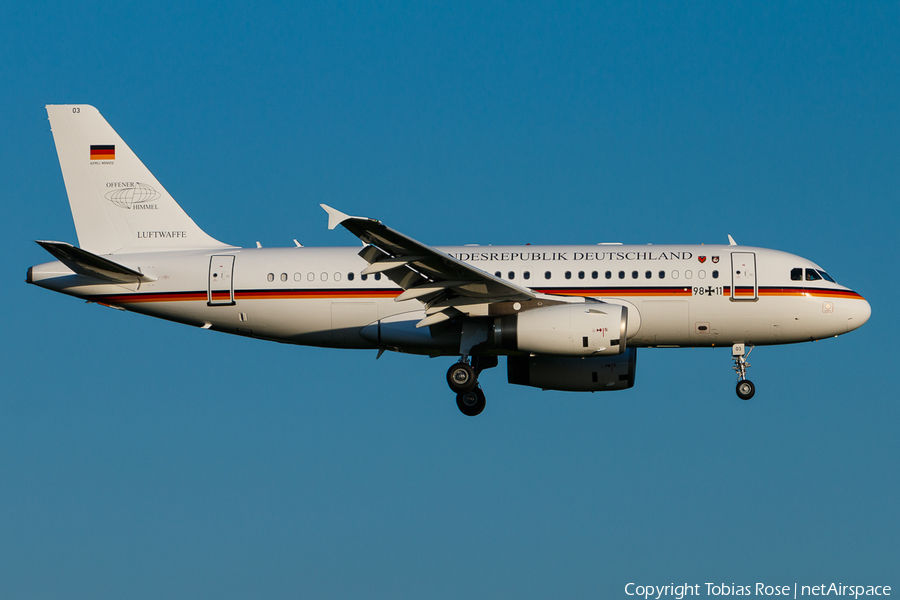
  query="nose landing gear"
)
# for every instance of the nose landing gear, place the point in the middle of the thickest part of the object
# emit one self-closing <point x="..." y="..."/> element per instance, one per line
<point x="745" y="388"/>
<point x="462" y="377"/>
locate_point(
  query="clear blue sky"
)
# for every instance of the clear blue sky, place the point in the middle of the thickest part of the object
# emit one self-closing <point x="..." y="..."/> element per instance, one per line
<point x="144" y="459"/>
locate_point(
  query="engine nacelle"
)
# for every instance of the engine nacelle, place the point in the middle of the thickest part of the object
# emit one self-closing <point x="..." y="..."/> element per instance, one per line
<point x="589" y="329"/>
<point x="574" y="374"/>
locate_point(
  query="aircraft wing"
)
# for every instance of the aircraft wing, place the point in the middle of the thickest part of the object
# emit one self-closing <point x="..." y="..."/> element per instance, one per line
<point x="448" y="287"/>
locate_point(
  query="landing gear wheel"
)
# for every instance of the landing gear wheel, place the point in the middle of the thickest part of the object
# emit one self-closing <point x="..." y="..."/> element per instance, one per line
<point x="461" y="378"/>
<point x="745" y="389"/>
<point x="471" y="403"/>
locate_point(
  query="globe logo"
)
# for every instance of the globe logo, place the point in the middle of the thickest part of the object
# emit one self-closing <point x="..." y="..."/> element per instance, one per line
<point x="137" y="193"/>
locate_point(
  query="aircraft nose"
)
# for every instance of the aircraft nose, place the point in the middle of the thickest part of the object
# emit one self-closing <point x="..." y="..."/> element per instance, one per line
<point x="859" y="312"/>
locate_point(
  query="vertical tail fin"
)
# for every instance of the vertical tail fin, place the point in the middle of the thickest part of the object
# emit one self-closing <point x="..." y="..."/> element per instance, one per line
<point x="117" y="204"/>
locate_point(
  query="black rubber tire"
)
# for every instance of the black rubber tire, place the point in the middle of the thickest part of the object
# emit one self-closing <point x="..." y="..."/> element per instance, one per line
<point x="745" y="389"/>
<point x="471" y="403"/>
<point x="461" y="378"/>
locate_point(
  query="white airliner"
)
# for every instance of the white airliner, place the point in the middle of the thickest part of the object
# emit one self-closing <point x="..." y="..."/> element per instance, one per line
<point x="566" y="317"/>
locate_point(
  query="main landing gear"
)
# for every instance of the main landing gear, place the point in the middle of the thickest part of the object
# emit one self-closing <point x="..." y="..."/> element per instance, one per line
<point x="745" y="388"/>
<point x="471" y="403"/>
<point x="462" y="378"/>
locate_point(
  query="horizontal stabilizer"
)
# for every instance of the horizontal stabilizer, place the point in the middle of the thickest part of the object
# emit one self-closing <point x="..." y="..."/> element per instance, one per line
<point x="90" y="265"/>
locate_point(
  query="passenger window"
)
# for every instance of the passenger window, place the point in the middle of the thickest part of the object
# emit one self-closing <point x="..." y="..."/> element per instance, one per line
<point x="512" y="274"/>
<point x="688" y="274"/>
<point x="363" y="277"/>
<point x="648" y="274"/>
<point x="337" y="276"/>
<point x="526" y="275"/>
<point x="796" y="274"/>
<point x="701" y="274"/>
<point x="568" y="274"/>
<point x="715" y="274"/>
<point x="580" y="274"/>
<point x="350" y="276"/>
<point x="271" y="276"/>
<point x="284" y="276"/>
<point x="609" y="274"/>
<point x="546" y="274"/>
<point x="662" y="274"/>
<point x="310" y="276"/>
<point x="298" y="277"/>
<point x="594" y="274"/>
<point x="377" y="276"/>
<point x="674" y="274"/>
<point x="634" y="274"/>
<point x="812" y="275"/>
<point x="498" y="274"/>
<point x="621" y="274"/>
<point x="324" y="276"/>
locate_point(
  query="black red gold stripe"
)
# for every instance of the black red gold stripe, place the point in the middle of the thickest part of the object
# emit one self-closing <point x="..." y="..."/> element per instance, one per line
<point x="151" y="297"/>
<point x="195" y="296"/>
<point x="103" y="152"/>
<point x="295" y="294"/>
<point x="618" y="292"/>
<point x="814" y="292"/>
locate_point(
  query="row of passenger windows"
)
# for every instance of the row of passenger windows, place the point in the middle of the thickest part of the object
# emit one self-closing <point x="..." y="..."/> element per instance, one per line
<point x="810" y="275"/>
<point x="609" y="274"/>
<point x="321" y="277"/>
<point x="512" y="275"/>
<point x="798" y="274"/>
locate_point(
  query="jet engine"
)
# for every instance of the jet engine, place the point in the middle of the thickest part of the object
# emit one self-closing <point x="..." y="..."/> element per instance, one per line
<point x="589" y="329"/>
<point x="572" y="373"/>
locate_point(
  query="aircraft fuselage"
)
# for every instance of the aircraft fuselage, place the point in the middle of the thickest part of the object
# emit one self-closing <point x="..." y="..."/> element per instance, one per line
<point x="678" y="295"/>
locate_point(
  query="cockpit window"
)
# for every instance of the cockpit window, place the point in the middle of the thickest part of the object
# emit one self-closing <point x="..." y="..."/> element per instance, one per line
<point x="811" y="275"/>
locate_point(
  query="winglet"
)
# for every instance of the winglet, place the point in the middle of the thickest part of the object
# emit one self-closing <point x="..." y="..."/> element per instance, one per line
<point x="335" y="217"/>
<point x="731" y="241"/>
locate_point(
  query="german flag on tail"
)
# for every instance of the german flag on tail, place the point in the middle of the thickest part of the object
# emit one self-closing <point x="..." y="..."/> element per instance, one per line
<point x="103" y="152"/>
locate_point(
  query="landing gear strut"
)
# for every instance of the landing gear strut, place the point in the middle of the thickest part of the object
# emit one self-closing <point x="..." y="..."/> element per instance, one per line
<point x="745" y="388"/>
<point x="462" y="377"/>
